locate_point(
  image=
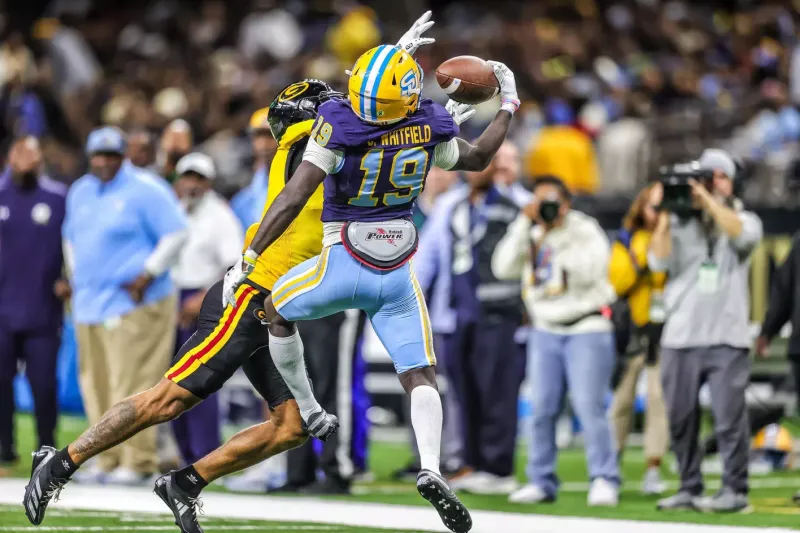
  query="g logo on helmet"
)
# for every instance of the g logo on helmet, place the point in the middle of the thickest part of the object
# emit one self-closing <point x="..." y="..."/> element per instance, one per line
<point x="409" y="84"/>
<point x="292" y="91"/>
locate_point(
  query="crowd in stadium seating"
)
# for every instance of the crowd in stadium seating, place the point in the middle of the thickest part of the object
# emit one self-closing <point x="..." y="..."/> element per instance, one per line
<point x="705" y="74"/>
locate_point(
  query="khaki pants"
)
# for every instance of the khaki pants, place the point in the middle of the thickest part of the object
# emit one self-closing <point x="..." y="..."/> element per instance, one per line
<point x="120" y="358"/>
<point x="656" y="427"/>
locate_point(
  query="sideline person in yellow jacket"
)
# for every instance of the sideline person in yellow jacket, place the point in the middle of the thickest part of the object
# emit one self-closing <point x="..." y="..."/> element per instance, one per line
<point x="643" y="291"/>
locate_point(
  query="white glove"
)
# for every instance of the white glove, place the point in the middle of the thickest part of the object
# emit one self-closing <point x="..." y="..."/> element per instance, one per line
<point x="460" y="112"/>
<point x="235" y="277"/>
<point x="508" y="86"/>
<point x="412" y="39"/>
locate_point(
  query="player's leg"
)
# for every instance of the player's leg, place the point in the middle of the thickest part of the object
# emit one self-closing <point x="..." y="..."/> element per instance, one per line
<point x="180" y="490"/>
<point x="283" y="431"/>
<point x="403" y="326"/>
<point x="52" y="469"/>
<point x="317" y="287"/>
<point x="199" y="369"/>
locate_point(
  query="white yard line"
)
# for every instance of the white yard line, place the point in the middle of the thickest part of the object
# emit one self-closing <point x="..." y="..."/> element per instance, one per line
<point x="141" y="500"/>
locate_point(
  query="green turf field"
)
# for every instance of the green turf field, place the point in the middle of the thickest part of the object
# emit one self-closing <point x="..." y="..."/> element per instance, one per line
<point x="770" y="497"/>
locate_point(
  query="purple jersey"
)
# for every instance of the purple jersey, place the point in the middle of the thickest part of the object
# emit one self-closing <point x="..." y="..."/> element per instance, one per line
<point x="384" y="167"/>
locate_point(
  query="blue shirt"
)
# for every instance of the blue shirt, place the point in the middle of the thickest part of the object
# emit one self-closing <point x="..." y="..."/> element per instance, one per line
<point x="30" y="254"/>
<point x="248" y="204"/>
<point x="113" y="228"/>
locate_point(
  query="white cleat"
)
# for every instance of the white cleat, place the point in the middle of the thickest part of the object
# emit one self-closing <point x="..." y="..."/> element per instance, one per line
<point x="603" y="493"/>
<point x="531" y="494"/>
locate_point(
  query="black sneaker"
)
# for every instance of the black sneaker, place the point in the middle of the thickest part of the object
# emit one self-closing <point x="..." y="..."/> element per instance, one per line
<point x="43" y="485"/>
<point x="433" y="488"/>
<point x="183" y="506"/>
<point x="321" y="425"/>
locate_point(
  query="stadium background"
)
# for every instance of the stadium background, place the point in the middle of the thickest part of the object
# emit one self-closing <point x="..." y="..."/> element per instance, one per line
<point x="698" y="73"/>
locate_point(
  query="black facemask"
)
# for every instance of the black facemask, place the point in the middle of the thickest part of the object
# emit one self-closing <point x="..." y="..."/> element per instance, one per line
<point x="549" y="209"/>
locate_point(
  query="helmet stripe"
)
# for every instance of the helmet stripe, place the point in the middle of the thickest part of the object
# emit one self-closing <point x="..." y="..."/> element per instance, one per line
<point x="373" y="103"/>
<point x="367" y="73"/>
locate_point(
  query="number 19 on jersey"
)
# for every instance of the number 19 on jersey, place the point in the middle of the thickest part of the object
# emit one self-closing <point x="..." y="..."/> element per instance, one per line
<point x="405" y="178"/>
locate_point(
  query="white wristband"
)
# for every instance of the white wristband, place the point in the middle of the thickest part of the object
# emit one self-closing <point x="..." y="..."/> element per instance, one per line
<point x="250" y="255"/>
<point x="510" y="105"/>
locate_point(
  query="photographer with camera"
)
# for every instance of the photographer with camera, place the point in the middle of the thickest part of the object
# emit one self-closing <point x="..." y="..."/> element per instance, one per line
<point x="703" y="240"/>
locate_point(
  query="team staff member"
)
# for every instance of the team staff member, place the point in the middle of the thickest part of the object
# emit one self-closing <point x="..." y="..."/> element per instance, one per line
<point x="215" y="243"/>
<point x="123" y="231"/>
<point x="31" y="214"/>
<point x="643" y="290"/>
<point x="226" y="339"/>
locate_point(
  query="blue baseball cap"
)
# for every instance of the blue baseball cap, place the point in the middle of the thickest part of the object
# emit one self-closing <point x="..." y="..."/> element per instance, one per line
<point x="107" y="140"/>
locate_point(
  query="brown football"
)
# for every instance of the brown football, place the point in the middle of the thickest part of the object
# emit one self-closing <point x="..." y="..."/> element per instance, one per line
<point x="467" y="79"/>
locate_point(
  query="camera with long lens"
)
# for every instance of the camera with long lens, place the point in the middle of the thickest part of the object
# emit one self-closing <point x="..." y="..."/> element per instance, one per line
<point x="677" y="191"/>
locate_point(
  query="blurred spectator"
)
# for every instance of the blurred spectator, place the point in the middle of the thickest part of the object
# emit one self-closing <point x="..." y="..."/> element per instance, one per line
<point x="794" y="76"/>
<point x="643" y="292"/>
<point x="784" y="306"/>
<point x="215" y="243"/>
<point x="75" y="66"/>
<point x="776" y="125"/>
<point x="507" y="174"/>
<point x="474" y="317"/>
<point x="142" y="150"/>
<point x="31" y="289"/>
<point x="270" y="31"/>
<point x="21" y="109"/>
<point x="563" y="262"/>
<point x="564" y="151"/>
<point x="625" y="153"/>
<point x="123" y="231"/>
<point x="248" y="203"/>
<point x="705" y="338"/>
<point x="176" y="141"/>
<point x="437" y="182"/>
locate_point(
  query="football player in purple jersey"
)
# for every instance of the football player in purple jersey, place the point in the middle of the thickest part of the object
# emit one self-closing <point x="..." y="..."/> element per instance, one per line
<point x="372" y="149"/>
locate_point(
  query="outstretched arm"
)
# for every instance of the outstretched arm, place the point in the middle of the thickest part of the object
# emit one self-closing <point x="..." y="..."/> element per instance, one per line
<point x="478" y="156"/>
<point x="287" y="205"/>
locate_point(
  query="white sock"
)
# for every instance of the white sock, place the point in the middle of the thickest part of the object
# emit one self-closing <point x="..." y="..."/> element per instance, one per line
<point x="287" y="354"/>
<point x="426" y="417"/>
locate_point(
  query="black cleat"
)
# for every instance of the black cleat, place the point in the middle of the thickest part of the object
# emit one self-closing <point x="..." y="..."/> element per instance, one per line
<point x="183" y="506"/>
<point x="43" y="486"/>
<point x="321" y="425"/>
<point x="434" y="488"/>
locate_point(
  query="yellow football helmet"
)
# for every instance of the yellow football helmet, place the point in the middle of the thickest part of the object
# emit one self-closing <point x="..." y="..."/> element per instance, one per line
<point x="774" y="445"/>
<point x="385" y="85"/>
